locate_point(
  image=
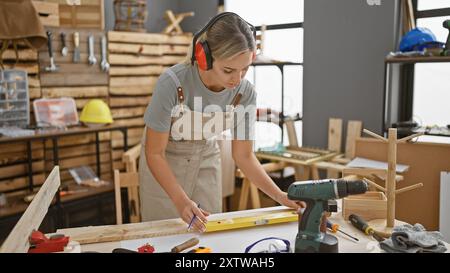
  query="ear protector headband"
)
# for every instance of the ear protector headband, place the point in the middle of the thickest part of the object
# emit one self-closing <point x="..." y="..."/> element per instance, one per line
<point x="201" y="51"/>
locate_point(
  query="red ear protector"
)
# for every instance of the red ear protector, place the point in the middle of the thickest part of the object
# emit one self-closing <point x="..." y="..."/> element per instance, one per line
<point x="201" y="51"/>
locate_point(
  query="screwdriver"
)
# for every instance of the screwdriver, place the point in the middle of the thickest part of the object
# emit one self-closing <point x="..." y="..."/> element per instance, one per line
<point x="335" y="228"/>
<point x="363" y="226"/>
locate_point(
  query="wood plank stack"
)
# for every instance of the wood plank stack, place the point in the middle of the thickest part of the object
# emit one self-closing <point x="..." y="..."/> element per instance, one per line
<point x="137" y="60"/>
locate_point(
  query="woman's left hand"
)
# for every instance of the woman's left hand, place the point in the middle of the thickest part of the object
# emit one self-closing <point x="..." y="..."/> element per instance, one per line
<point x="283" y="199"/>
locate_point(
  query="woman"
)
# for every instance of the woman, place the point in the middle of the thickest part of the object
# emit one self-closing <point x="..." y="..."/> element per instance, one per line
<point x="180" y="161"/>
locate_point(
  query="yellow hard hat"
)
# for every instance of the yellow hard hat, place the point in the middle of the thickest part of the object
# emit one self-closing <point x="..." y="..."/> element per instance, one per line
<point x="96" y="111"/>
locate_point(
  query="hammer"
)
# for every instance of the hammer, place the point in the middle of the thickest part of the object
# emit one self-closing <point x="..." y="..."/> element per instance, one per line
<point x="52" y="67"/>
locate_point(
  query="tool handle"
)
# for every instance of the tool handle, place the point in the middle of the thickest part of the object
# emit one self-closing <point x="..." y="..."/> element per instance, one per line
<point x="76" y="39"/>
<point x="63" y="39"/>
<point x="91" y="44"/>
<point x="333" y="227"/>
<point x="49" y="42"/>
<point x="104" y="47"/>
<point x="189" y="243"/>
<point x="360" y="223"/>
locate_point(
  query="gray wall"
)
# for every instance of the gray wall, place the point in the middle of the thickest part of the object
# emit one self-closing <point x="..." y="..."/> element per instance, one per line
<point x="345" y="43"/>
<point x="204" y="9"/>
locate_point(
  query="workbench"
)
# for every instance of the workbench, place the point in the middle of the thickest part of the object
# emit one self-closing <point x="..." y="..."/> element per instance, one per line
<point x="233" y="241"/>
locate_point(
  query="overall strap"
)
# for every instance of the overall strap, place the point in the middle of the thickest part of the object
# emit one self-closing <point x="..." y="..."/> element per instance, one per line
<point x="236" y="99"/>
<point x="180" y="93"/>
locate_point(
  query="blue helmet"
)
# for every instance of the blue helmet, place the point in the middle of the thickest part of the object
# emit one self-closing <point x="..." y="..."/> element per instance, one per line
<point x="418" y="39"/>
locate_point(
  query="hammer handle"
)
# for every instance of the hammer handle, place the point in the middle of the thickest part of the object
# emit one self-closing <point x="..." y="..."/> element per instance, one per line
<point x="76" y="39"/>
<point x="189" y="243"/>
<point x="49" y="42"/>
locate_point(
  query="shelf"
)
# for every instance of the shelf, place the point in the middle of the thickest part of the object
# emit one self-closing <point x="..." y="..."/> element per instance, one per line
<point x="411" y="60"/>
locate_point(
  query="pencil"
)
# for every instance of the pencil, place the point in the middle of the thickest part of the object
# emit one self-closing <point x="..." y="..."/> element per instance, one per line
<point x="192" y="220"/>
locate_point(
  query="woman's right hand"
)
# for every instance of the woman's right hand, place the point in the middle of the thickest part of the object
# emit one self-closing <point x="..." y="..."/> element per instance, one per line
<point x="188" y="209"/>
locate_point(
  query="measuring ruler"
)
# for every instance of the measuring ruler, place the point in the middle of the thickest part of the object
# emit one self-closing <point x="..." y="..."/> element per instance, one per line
<point x="252" y="221"/>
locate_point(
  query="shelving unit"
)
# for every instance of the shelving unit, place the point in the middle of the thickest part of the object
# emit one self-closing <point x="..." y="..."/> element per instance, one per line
<point x="386" y="94"/>
<point x="280" y="66"/>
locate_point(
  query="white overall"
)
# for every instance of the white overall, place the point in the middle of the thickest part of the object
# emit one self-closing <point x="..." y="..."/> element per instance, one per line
<point x="195" y="163"/>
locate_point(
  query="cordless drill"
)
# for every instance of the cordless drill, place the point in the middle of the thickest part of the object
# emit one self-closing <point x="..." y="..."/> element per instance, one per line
<point x="446" y="51"/>
<point x="316" y="195"/>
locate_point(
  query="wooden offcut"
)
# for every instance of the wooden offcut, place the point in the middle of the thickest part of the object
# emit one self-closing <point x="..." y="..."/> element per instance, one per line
<point x="369" y="206"/>
<point x="18" y="239"/>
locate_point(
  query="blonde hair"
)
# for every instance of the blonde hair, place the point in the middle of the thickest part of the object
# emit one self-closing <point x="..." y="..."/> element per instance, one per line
<point x="227" y="37"/>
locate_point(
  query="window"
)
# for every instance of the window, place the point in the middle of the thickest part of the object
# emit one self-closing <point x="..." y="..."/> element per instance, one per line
<point x="431" y="104"/>
<point x="284" y="43"/>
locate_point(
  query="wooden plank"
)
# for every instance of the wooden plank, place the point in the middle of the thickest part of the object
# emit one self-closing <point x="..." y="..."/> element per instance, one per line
<point x="18" y="239"/>
<point x="34" y="93"/>
<point x="75" y="92"/>
<point x="73" y="79"/>
<point x="128" y="112"/>
<point x="8" y="157"/>
<point x="335" y="135"/>
<point x="33" y="81"/>
<point x="30" y="68"/>
<point x="152" y="50"/>
<point x="80" y="139"/>
<point x="80" y="103"/>
<point x="21" y="182"/>
<point x="19" y="147"/>
<point x="129" y="101"/>
<point x="155" y="50"/>
<point x="79" y="150"/>
<point x="20" y="169"/>
<point x="132" y="141"/>
<point x="24" y="55"/>
<point x="80" y="160"/>
<point x="130" y="122"/>
<point x="149" y="38"/>
<point x="354" y="129"/>
<point x="132" y="81"/>
<point x="126" y="59"/>
<point x="132" y="132"/>
<point x="136" y="70"/>
<point x="132" y="90"/>
<point x="82" y="2"/>
<point x="60" y="60"/>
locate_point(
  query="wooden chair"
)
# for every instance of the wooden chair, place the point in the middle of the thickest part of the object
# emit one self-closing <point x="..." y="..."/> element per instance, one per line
<point x="130" y="180"/>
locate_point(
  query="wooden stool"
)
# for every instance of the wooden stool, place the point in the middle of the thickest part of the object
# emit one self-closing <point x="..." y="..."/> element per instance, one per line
<point x="174" y="21"/>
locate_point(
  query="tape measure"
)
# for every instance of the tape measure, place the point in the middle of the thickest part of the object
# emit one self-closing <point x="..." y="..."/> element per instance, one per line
<point x="252" y="221"/>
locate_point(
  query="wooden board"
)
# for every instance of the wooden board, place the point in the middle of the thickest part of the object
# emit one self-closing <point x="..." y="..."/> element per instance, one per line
<point x="18" y="239"/>
<point x="128" y="112"/>
<point x="75" y="92"/>
<point x="69" y="73"/>
<point x="24" y="55"/>
<point x="21" y="182"/>
<point x="149" y="38"/>
<point x="78" y="150"/>
<point x="426" y="162"/>
<point x="129" y="101"/>
<point x="30" y="67"/>
<point x="132" y="90"/>
<point x="152" y="50"/>
<point x="20" y="169"/>
<point x="136" y="70"/>
<point x="128" y="59"/>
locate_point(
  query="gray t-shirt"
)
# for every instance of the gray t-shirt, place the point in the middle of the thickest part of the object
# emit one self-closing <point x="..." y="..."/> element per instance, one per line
<point x="158" y="115"/>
